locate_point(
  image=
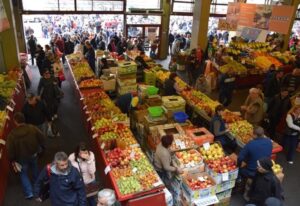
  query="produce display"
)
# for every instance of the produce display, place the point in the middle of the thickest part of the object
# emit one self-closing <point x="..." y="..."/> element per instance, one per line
<point x="222" y="164"/>
<point x="234" y="66"/>
<point x="198" y="183"/>
<point x="215" y="151"/>
<point x="82" y="71"/>
<point x="242" y="130"/>
<point x="276" y="168"/>
<point x="182" y="142"/>
<point x="90" y="83"/>
<point x="230" y="117"/>
<point x="189" y="158"/>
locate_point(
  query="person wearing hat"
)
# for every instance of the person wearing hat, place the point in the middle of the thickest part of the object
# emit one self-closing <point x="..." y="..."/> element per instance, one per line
<point x="127" y="102"/>
<point x="265" y="185"/>
<point x="259" y="147"/>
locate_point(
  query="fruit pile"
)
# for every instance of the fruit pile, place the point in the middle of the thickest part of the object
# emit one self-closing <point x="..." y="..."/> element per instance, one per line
<point x="182" y="142"/>
<point x="285" y="57"/>
<point x="230" y="117"/>
<point x="90" y="83"/>
<point x="235" y="66"/>
<point x="276" y="168"/>
<point x="189" y="158"/>
<point x="128" y="185"/>
<point x="215" y="151"/>
<point x="82" y="71"/>
<point x="118" y="158"/>
<point x="222" y="165"/>
<point x="7" y="86"/>
<point x="242" y="130"/>
<point x="199" y="183"/>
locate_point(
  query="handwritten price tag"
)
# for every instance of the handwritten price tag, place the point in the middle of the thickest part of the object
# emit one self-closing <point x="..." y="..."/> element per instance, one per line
<point x="93" y="128"/>
<point x="107" y="169"/>
<point x="89" y="119"/>
<point x="84" y="108"/>
<point x="102" y="145"/>
<point x="225" y="176"/>
<point x="156" y="184"/>
<point x="81" y="99"/>
<point x="9" y="108"/>
<point x="13" y="102"/>
<point x="134" y="170"/>
<point x="17" y="90"/>
<point x="95" y="135"/>
<point x="206" y="146"/>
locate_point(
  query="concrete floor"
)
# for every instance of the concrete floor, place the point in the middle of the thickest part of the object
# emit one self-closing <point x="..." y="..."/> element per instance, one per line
<point x="72" y="132"/>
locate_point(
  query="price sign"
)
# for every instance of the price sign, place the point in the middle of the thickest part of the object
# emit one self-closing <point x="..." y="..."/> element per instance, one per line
<point x="134" y="170"/>
<point x="2" y="141"/>
<point x="225" y="176"/>
<point x="9" y="108"/>
<point x="81" y="99"/>
<point x="134" y="145"/>
<point x="132" y="154"/>
<point x="107" y="169"/>
<point x="158" y="183"/>
<point x="206" y="146"/>
<point x="84" y="108"/>
<point x="103" y="145"/>
<point x="13" y="102"/>
<point x="95" y="135"/>
<point x="93" y="128"/>
<point x="89" y="119"/>
<point x="17" y="90"/>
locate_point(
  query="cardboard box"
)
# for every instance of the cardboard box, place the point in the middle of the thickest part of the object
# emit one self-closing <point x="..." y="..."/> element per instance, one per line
<point x="169" y="112"/>
<point x="139" y="115"/>
<point x="127" y="89"/>
<point x="207" y="201"/>
<point x="153" y="101"/>
<point x="201" y="193"/>
<point x="225" y="186"/>
<point x="225" y="194"/>
<point x="219" y="177"/>
<point x="109" y="85"/>
<point x="173" y="102"/>
<point x="126" y="82"/>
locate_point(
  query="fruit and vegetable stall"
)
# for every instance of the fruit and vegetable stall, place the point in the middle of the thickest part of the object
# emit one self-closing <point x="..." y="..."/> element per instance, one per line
<point x="12" y="96"/>
<point x="124" y="158"/>
<point x="251" y="61"/>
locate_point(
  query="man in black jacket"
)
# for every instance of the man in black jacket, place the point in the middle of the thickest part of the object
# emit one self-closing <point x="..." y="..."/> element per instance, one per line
<point x="23" y="144"/>
<point x="265" y="184"/>
<point x="32" y="47"/>
<point x="36" y="113"/>
<point x="273" y="86"/>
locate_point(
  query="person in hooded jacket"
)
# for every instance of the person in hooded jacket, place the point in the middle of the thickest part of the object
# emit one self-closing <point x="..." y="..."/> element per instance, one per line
<point x="265" y="184"/>
<point x="66" y="186"/>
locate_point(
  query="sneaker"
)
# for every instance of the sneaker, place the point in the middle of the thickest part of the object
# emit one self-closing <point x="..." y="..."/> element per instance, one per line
<point x="290" y="162"/>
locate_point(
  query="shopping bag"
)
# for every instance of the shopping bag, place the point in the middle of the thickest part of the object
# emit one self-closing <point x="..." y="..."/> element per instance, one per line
<point x="61" y="76"/>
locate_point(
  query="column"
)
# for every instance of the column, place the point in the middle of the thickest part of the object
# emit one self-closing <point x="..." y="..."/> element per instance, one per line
<point x="164" y="38"/>
<point x="200" y="24"/>
<point x="8" y="40"/>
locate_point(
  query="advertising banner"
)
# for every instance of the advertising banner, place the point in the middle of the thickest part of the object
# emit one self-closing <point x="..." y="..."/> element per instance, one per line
<point x="4" y="23"/>
<point x="266" y="17"/>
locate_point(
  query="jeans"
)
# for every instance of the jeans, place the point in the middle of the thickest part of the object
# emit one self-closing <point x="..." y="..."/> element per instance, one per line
<point x="225" y="97"/>
<point x="31" y="163"/>
<point x="91" y="201"/>
<point x="290" y="145"/>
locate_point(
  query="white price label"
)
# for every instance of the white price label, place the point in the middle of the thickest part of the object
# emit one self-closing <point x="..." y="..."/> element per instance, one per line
<point x="89" y="119"/>
<point x="87" y="112"/>
<point x="2" y="141"/>
<point x="13" y="102"/>
<point x="81" y="99"/>
<point x="102" y="145"/>
<point x="134" y="145"/>
<point x="93" y="128"/>
<point x="156" y="184"/>
<point x="206" y="146"/>
<point x="177" y="142"/>
<point x="17" y="90"/>
<point x="182" y="145"/>
<point x="201" y="179"/>
<point x="107" y="169"/>
<point x="9" y="108"/>
<point x="7" y="117"/>
<point x="134" y="170"/>
<point x="84" y="108"/>
<point x="225" y="176"/>
<point x="95" y="135"/>
<point x="132" y="154"/>
<point x="18" y="85"/>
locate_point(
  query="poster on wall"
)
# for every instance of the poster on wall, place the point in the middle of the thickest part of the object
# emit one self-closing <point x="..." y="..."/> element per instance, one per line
<point x="266" y="17"/>
<point x="4" y="23"/>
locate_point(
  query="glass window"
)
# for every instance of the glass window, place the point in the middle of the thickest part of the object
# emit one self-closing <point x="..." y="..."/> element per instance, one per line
<point x="41" y="5"/>
<point x="222" y="1"/>
<point x="143" y="4"/>
<point x="183" y="7"/>
<point x="107" y="5"/>
<point x="143" y="19"/>
<point x="66" y="5"/>
<point x="218" y="9"/>
<point x="180" y="24"/>
<point x="255" y="1"/>
<point x="84" y="5"/>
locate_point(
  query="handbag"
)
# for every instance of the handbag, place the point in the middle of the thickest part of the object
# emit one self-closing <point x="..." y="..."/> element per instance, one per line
<point x="61" y="76"/>
<point x="45" y="189"/>
<point x="92" y="188"/>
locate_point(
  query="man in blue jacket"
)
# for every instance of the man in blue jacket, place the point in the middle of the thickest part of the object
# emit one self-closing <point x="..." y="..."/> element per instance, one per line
<point x="259" y="147"/>
<point x="66" y="187"/>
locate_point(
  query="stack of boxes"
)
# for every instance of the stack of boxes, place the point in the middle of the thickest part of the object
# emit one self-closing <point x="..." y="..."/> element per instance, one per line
<point x="172" y="104"/>
<point x="126" y="77"/>
<point x="149" y="77"/>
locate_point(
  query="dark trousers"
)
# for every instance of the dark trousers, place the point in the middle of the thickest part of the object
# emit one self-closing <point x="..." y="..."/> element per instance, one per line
<point x="32" y="57"/>
<point x="290" y="145"/>
<point x="225" y="97"/>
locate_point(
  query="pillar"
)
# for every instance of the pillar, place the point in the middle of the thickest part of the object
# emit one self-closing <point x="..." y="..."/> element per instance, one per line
<point x="200" y="24"/>
<point x="286" y="37"/>
<point x="20" y="34"/>
<point x="8" y="40"/>
<point x="164" y="38"/>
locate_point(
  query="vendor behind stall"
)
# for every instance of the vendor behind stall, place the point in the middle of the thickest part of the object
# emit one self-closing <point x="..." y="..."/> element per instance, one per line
<point x="169" y="85"/>
<point x="219" y="129"/>
<point x="163" y="159"/>
<point x="140" y="60"/>
<point x="127" y="102"/>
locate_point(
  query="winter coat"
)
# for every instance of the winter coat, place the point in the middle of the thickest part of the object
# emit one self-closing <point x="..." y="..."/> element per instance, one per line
<point x="66" y="189"/>
<point x="36" y="114"/>
<point x="24" y="141"/>
<point x="256" y="110"/>
<point x="86" y="168"/>
<point x="264" y="186"/>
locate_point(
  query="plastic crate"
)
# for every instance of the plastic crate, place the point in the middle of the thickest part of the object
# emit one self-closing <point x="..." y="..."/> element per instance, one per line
<point x="180" y="117"/>
<point x="152" y="90"/>
<point x="200" y="135"/>
<point x="156" y="111"/>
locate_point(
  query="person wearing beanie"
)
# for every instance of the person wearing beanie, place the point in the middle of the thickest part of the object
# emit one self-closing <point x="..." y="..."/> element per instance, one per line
<point x="265" y="184"/>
